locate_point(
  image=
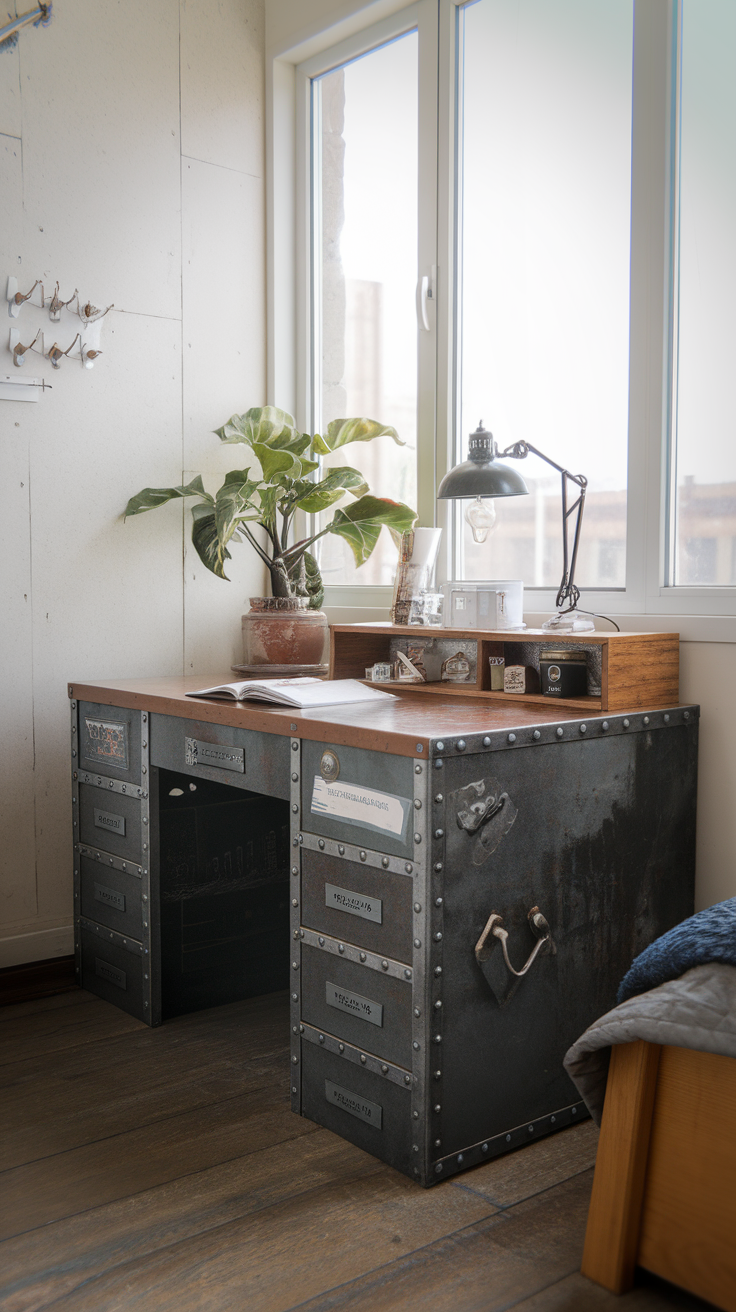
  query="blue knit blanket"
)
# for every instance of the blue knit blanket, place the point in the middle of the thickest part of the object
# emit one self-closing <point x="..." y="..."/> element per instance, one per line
<point x="707" y="936"/>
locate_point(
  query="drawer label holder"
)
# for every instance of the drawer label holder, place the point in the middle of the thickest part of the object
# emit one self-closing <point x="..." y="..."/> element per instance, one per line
<point x="354" y="1004"/>
<point x="109" y="897"/>
<point x="114" y="824"/>
<point x="370" y="1112"/>
<point x="219" y="755"/>
<point x="107" y="971"/>
<point x="385" y="813"/>
<point x="356" y="904"/>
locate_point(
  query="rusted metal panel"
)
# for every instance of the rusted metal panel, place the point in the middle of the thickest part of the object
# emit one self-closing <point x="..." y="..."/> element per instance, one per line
<point x="264" y="757"/>
<point x="372" y="794"/>
<point x="368" y="1008"/>
<point x="113" y="970"/>
<point x="109" y="741"/>
<point x="336" y="894"/>
<point x="367" y="1108"/>
<point x="110" y="821"/>
<point x="111" y="897"/>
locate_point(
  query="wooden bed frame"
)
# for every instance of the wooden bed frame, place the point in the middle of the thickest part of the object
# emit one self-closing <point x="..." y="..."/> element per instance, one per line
<point x="664" y="1191"/>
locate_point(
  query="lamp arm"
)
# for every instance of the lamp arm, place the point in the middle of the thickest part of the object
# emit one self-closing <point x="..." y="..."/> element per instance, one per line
<point x="567" y="591"/>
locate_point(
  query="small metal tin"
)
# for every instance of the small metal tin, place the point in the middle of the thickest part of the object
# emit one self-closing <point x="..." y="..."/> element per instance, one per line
<point x="563" y="673"/>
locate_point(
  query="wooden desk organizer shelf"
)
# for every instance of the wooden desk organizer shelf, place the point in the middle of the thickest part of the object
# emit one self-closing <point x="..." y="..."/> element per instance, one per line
<point x="637" y="669"/>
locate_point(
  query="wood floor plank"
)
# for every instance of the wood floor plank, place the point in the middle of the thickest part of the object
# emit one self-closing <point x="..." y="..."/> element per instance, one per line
<point x="577" y="1294"/>
<point x="540" y="1165"/>
<point x="85" y="1094"/>
<point x="61" y="1028"/>
<point x="15" y="1010"/>
<point x="484" y="1267"/>
<point x="276" y="1258"/>
<point x="124" y="1164"/>
<point x="43" y="1265"/>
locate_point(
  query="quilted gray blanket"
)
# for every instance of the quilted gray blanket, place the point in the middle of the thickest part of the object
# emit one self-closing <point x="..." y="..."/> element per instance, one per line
<point x="698" y="1010"/>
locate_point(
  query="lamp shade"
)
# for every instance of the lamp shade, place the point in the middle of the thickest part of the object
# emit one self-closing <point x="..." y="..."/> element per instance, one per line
<point x="481" y="475"/>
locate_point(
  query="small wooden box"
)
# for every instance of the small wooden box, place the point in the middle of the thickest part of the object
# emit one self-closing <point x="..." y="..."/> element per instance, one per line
<point x="636" y="669"/>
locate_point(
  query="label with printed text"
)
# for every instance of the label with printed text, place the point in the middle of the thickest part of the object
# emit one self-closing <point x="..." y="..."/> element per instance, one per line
<point x="370" y="1112"/>
<point x="356" y="904"/>
<point x="354" y="1004"/>
<point x="358" y="805"/>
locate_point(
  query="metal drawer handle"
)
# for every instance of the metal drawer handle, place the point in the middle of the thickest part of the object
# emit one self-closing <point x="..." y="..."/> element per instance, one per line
<point x="495" y="929"/>
<point x="479" y="813"/>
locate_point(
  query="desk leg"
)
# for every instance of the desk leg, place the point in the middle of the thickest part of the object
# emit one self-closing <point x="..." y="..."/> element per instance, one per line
<point x="295" y="897"/>
<point x="612" y="1236"/>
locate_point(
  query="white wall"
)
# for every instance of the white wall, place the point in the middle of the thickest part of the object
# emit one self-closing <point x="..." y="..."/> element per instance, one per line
<point x="131" y="167"/>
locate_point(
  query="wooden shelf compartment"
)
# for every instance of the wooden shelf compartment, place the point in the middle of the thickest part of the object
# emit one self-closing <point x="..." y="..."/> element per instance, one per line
<point x="638" y="670"/>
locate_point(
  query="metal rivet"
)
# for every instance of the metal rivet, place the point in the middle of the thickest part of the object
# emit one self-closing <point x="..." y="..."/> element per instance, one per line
<point x="384" y="862"/>
<point x="295" y="808"/>
<point x="438" y="1075"/>
<point x="438" y="765"/>
<point x="646" y="719"/>
<point x="74" y="751"/>
<point x="438" y="1169"/>
<point x="362" y="956"/>
<point x="295" y="933"/>
<point x="341" y="849"/>
<point x="437" y="1108"/>
<point x="439" y="747"/>
<point x="293" y="1088"/>
<point x="417" y="1012"/>
<point x="486" y="742"/>
<point x="438" y="1004"/>
<point x="417" y="907"/>
<point x="437" y="937"/>
<point x="438" y="901"/>
<point x="531" y="1129"/>
<point x="341" y="1047"/>
<point x="362" y="856"/>
<point x="408" y="867"/>
<point x="439" y="833"/>
<point x="484" y="1148"/>
<point x="407" y="974"/>
<point x="417" y="804"/>
<point x="295" y="1029"/>
<point x="626" y="724"/>
<point x="536" y="735"/>
<point x="461" y="744"/>
<point x="666" y="719"/>
<point x="438" y="1143"/>
<point x="415" y="1046"/>
<point x="407" y="1079"/>
<point x="295" y="778"/>
<point x="583" y="728"/>
<point x="438" y="798"/>
<point x="300" y="838"/>
<point x="574" y="1111"/>
<point x="321" y="844"/>
<point x="415" y="1147"/>
<point x="295" y="997"/>
<point x="321" y="942"/>
<point x="295" y="747"/>
<point x="295" y="870"/>
<point x="417" y="942"/>
<point x="460" y="1159"/>
<point x="321" y="1038"/>
<point x="417" y="838"/>
<point x="384" y="965"/>
<point x="511" y="738"/>
<point x="604" y="726"/>
<point x="552" y="1120"/>
<point x="559" y="732"/>
<point x="292" y="728"/>
<point x="74" y="801"/>
<point x="438" y="866"/>
<point x="74" y="706"/>
<point x="145" y="719"/>
<point x="438" y="970"/>
<point x="417" y="769"/>
<point x="295" y="965"/>
<point x="508" y="1138"/>
<point x="341" y="947"/>
<point x="687" y="715"/>
<point x="415" y="1116"/>
<point x="384" y="1070"/>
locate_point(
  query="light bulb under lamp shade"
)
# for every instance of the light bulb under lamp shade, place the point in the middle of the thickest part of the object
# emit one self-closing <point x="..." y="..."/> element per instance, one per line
<point x="481" y="517"/>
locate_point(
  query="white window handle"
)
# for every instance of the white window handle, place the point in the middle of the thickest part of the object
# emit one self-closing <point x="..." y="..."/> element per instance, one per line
<point x="425" y="293"/>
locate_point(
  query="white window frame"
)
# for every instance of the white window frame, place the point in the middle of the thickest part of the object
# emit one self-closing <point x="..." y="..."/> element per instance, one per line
<point x="648" y="601"/>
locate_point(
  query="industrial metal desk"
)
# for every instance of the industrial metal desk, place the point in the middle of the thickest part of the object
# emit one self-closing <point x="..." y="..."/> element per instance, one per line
<point x="354" y="856"/>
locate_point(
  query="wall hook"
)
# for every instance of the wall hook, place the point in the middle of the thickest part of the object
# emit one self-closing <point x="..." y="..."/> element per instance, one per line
<point x="89" y="313"/>
<point x="89" y="356"/>
<point x="16" y="298"/>
<point x="55" y="355"/>
<point x="56" y="305"/>
<point x="19" y="351"/>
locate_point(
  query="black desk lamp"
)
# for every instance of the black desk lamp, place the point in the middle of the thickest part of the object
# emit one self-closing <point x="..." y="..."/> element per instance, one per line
<point x="481" y="475"/>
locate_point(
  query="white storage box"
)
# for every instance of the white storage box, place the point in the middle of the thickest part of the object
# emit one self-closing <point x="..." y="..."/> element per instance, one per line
<point x="494" y="605"/>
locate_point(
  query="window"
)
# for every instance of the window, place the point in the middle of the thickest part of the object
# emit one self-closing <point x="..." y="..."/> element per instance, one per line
<point x="521" y="212"/>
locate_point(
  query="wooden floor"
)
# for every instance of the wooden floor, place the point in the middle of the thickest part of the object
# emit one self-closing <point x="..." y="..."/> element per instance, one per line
<point x="163" y="1170"/>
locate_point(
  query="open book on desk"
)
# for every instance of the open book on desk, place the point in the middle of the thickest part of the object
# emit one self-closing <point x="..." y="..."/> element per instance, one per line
<point x="302" y="693"/>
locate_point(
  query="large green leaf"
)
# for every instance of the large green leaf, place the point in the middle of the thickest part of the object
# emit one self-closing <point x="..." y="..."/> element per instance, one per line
<point x="342" y="431"/>
<point x="304" y="574"/>
<point x="232" y="499"/>
<point x="276" y="463"/>
<point x="361" y="523"/>
<point x="320" y="499"/>
<point x="151" y="497"/>
<point x="331" y="488"/>
<point x="206" y="542"/>
<point x="265" y="424"/>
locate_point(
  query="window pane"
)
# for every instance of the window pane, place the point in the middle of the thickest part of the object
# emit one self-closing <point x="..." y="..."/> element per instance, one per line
<point x="545" y="197"/>
<point x="365" y="185"/>
<point x="705" y="537"/>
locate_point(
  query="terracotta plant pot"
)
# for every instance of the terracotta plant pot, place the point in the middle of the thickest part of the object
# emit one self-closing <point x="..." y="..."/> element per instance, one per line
<point x="283" y="631"/>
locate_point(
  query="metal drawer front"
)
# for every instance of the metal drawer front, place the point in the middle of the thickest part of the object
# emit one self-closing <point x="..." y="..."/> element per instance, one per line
<point x="363" y="1006"/>
<point x="113" y="973"/>
<point x="368" y="801"/>
<point x="365" y="1109"/>
<point x="109" y="741"/>
<point x="111" y="821"/>
<point x="372" y="908"/>
<point x="111" y="897"/>
<point x="242" y="758"/>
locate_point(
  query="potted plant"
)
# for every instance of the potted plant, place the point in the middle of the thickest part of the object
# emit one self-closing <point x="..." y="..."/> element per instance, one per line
<point x="287" y="628"/>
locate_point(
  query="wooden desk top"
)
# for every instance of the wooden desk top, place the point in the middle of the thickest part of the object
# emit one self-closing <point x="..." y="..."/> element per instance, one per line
<point x="398" y="726"/>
